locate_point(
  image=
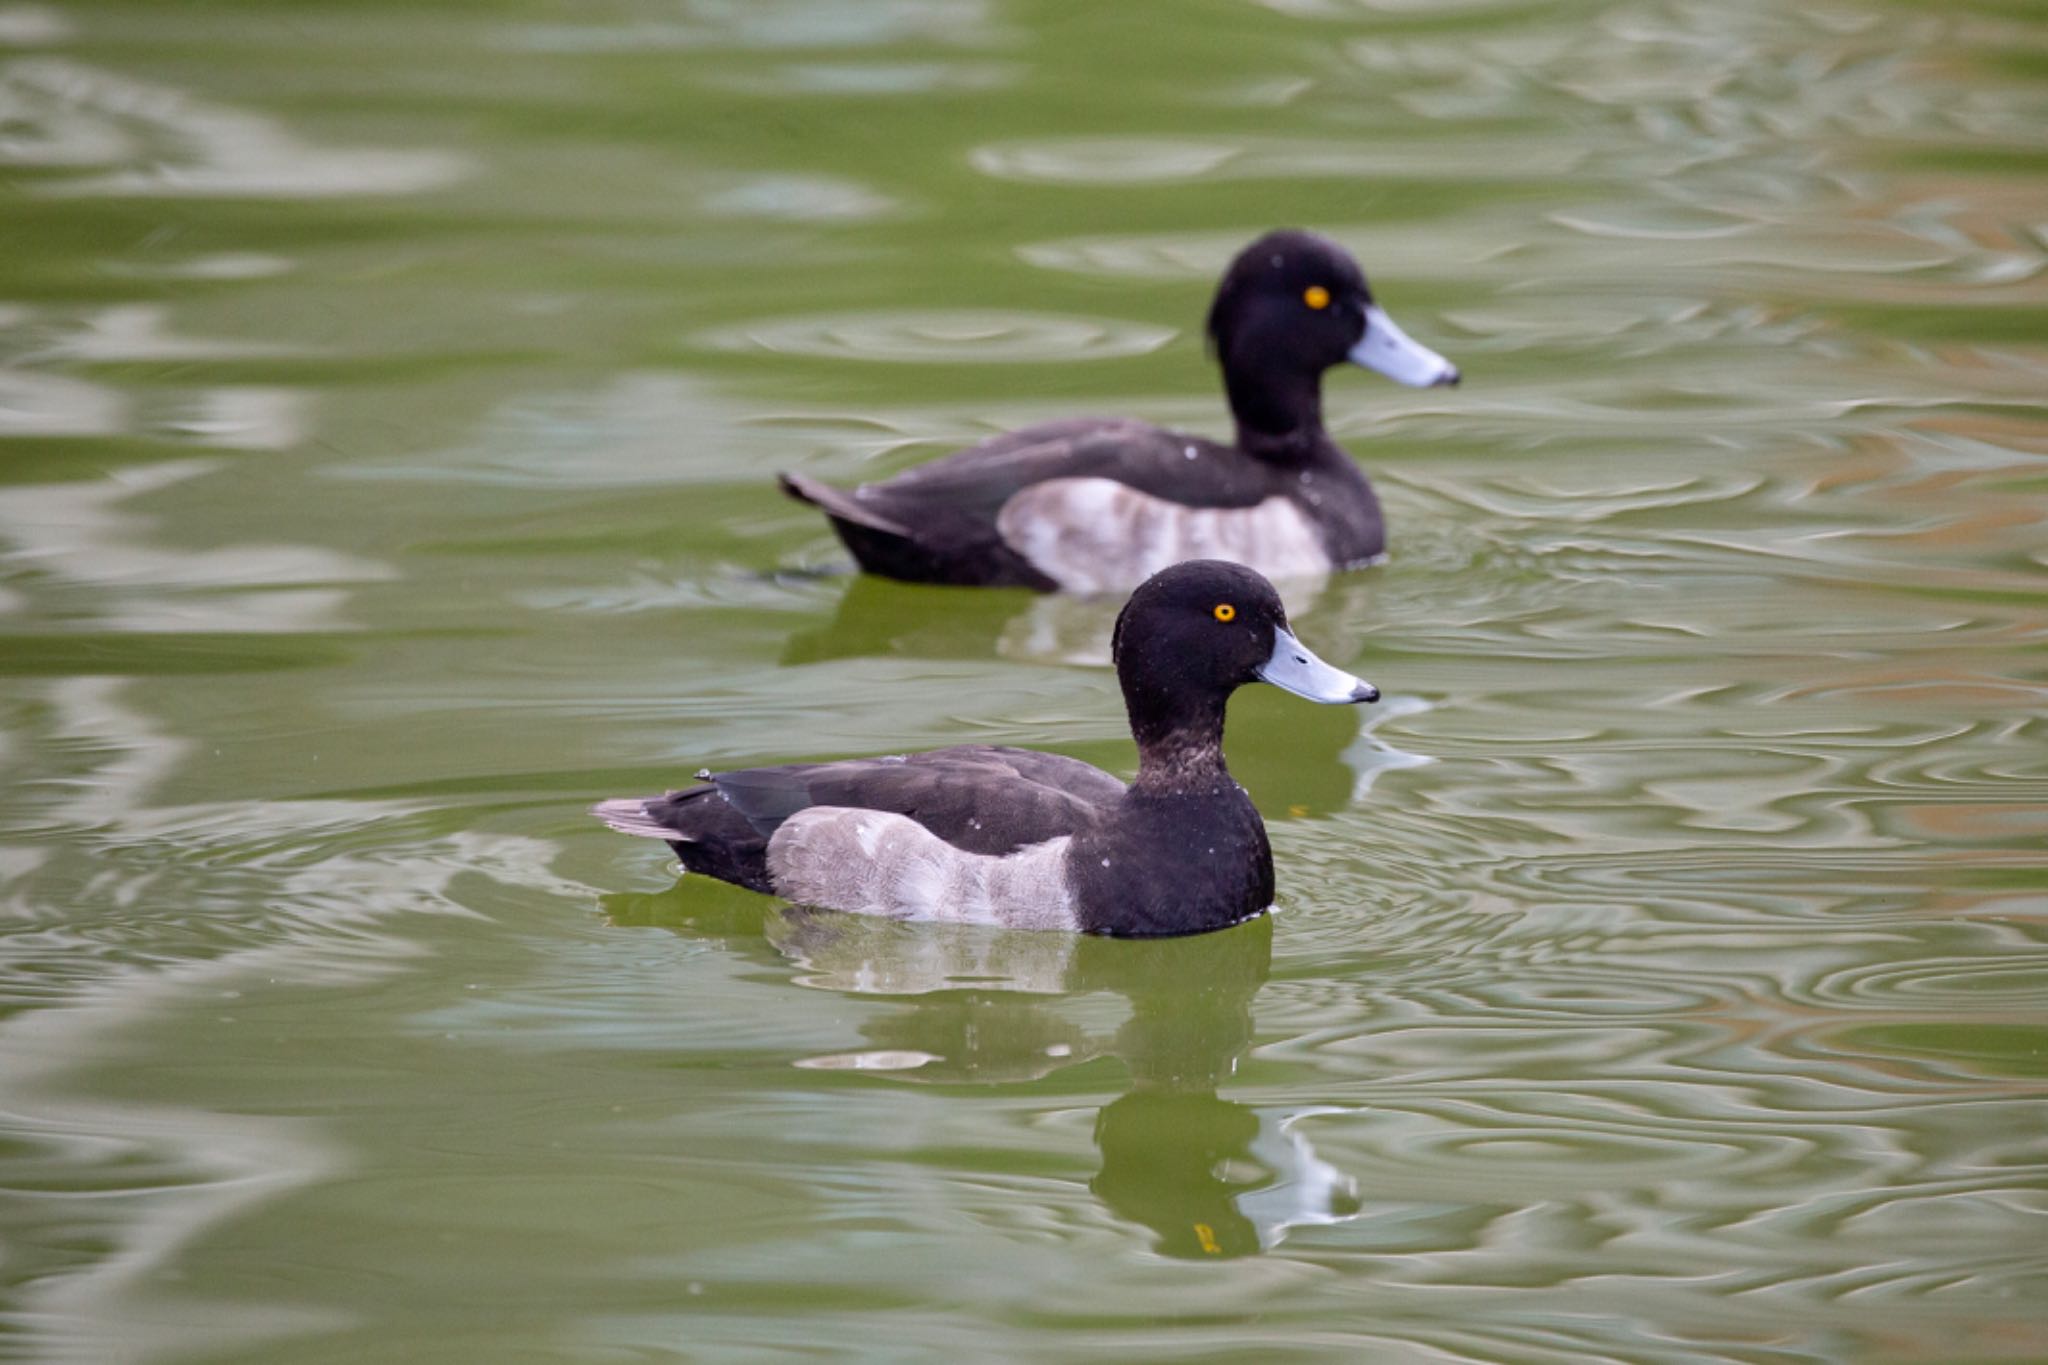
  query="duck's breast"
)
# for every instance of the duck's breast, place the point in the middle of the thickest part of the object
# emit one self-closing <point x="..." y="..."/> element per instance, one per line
<point x="1100" y="535"/>
<point x="1174" y="862"/>
<point x="872" y="862"/>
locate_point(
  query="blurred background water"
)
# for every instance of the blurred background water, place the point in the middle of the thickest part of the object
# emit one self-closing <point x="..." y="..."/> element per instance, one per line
<point x="389" y="396"/>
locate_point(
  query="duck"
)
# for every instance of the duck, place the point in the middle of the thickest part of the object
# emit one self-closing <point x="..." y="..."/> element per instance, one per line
<point x="1098" y="505"/>
<point x="1019" y="838"/>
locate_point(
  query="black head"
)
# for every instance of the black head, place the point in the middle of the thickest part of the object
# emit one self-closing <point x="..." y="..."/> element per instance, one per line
<point x="1292" y="298"/>
<point x="1292" y="305"/>
<point x="1196" y="632"/>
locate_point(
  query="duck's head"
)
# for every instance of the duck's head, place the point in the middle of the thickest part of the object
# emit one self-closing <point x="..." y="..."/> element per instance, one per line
<point x="1294" y="304"/>
<point x="1195" y="632"/>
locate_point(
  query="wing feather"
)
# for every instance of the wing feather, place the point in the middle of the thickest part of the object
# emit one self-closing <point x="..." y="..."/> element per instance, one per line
<point x="980" y="798"/>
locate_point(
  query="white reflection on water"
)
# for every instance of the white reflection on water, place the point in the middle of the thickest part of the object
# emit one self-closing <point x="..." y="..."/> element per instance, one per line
<point x="164" y="1174"/>
<point x="1371" y="757"/>
<point x="771" y="24"/>
<point x="163" y="142"/>
<point x="872" y="79"/>
<point x="960" y="336"/>
<point x="29" y="25"/>
<point x="81" y="534"/>
<point x="795" y="198"/>
<point x="638" y="428"/>
<point x="137" y="332"/>
<point x="34" y="404"/>
<point x="238" y="417"/>
<point x="1354" y="9"/>
<point x="1109" y="162"/>
<point x="1105" y="161"/>
<point x="222" y="265"/>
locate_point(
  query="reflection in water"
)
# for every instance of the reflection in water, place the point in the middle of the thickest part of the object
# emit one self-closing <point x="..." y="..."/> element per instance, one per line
<point x="81" y="534"/>
<point x="1212" y="1178"/>
<point x="960" y="337"/>
<point x="1686" y="1007"/>
<point x="158" y="141"/>
<point x="1111" y="162"/>
<point x="873" y="79"/>
<point x="46" y="405"/>
<point x="1208" y="1176"/>
<point x="124" y="920"/>
<point x="35" y="401"/>
<point x="622" y="434"/>
<point x="143" y="332"/>
<point x="795" y="198"/>
<point x="773" y="24"/>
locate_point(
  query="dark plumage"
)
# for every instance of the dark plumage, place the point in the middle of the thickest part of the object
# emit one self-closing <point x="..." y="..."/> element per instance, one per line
<point x="1028" y="839"/>
<point x="1091" y="504"/>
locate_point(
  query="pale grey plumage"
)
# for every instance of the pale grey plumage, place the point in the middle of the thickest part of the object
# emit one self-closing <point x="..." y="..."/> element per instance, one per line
<point x="1101" y="535"/>
<point x="876" y="863"/>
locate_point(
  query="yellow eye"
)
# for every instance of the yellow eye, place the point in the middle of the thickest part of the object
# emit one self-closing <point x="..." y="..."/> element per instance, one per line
<point x="1316" y="297"/>
<point x="1225" y="612"/>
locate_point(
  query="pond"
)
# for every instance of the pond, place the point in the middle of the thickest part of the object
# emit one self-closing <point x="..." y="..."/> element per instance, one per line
<point x="390" y="402"/>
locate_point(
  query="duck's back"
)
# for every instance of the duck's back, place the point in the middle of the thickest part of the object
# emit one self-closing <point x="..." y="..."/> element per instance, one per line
<point x="1151" y="459"/>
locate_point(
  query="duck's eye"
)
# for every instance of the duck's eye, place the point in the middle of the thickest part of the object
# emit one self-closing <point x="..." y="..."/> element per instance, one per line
<point x="1225" y="612"/>
<point x="1316" y="297"/>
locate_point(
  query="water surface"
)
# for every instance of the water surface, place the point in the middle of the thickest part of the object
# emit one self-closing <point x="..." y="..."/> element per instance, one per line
<point x="388" y="403"/>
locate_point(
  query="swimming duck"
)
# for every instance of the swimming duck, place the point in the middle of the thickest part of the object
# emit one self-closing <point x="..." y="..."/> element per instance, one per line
<point x="1097" y="504"/>
<point x="995" y="835"/>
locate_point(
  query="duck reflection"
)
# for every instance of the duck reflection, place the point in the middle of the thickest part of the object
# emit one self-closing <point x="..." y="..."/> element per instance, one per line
<point x="1209" y="1177"/>
<point x="1295" y="761"/>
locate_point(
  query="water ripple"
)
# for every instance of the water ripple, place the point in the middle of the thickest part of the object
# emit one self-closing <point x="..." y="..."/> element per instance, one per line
<point x="768" y="25"/>
<point x="1657" y="979"/>
<point x="953" y="337"/>
<point x="162" y="142"/>
<point x="1108" y="162"/>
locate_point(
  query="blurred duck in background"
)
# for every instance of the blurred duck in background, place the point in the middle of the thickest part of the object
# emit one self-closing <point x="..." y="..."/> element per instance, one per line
<point x="1092" y="505"/>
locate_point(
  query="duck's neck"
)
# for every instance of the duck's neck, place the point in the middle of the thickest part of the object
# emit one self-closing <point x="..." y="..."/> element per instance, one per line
<point x="1279" y="415"/>
<point x="1180" y="748"/>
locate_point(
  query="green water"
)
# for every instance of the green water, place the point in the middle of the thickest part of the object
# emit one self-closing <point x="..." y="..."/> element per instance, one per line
<point x="389" y="397"/>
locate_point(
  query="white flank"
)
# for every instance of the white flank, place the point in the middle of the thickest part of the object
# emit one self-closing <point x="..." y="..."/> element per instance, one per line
<point x="1098" y="535"/>
<point x="871" y="862"/>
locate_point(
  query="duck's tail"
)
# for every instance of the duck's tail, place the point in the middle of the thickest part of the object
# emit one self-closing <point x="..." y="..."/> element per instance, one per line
<point x="839" y="504"/>
<point x="629" y="815"/>
<point x="708" y="836"/>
